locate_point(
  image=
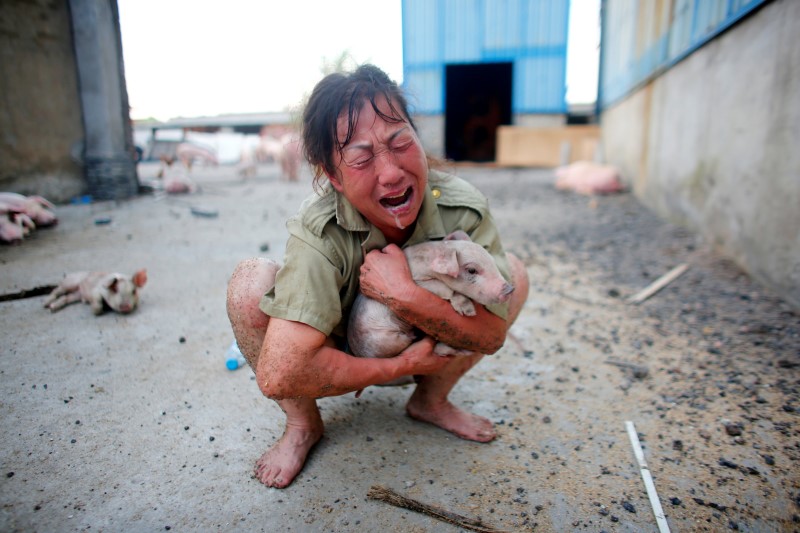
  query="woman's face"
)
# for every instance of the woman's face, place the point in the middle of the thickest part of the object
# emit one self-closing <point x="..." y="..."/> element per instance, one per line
<point x="382" y="171"/>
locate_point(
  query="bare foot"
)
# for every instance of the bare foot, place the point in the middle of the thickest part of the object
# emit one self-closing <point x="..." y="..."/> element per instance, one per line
<point x="281" y="463"/>
<point x="449" y="417"/>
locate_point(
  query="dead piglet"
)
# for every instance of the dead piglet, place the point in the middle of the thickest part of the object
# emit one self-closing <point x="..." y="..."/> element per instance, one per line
<point x="118" y="292"/>
<point x="586" y="177"/>
<point x="37" y="208"/>
<point x="455" y="269"/>
<point x="14" y="226"/>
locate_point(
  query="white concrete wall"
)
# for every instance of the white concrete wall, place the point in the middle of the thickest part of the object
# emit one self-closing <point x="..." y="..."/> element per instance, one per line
<point x="430" y="129"/>
<point x="714" y="143"/>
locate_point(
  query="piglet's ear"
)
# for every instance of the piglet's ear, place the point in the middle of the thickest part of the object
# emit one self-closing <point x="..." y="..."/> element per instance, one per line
<point x="42" y="201"/>
<point x="140" y="278"/>
<point x="446" y="262"/>
<point x="458" y="236"/>
<point x="112" y="284"/>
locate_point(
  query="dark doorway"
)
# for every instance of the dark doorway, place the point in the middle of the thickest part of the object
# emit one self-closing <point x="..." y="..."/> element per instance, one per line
<point x="477" y="101"/>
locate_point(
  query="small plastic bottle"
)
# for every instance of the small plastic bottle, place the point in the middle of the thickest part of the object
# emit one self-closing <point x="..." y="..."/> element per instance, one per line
<point x="234" y="358"/>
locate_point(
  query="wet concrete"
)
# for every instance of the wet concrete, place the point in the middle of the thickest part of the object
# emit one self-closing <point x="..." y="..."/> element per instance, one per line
<point x="133" y="422"/>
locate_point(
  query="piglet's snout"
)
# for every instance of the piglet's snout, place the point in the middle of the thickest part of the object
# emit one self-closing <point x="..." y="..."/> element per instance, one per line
<point x="505" y="292"/>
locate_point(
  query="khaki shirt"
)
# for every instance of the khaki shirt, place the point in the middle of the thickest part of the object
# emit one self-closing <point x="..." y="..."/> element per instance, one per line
<point x="328" y="240"/>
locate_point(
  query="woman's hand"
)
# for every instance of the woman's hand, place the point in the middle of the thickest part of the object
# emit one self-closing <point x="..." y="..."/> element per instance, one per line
<point x="421" y="359"/>
<point x="385" y="275"/>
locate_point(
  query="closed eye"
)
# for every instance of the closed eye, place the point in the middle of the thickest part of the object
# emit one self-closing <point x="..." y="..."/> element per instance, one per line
<point x="402" y="145"/>
<point x="361" y="163"/>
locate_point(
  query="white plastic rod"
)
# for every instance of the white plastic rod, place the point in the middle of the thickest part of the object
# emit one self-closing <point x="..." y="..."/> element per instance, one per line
<point x="661" y="520"/>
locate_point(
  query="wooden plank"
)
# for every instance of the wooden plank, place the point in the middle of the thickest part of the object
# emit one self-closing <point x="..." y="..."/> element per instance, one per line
<point x="543" y="147"/>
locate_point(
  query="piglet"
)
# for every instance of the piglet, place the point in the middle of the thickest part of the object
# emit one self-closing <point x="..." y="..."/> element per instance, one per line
<point x="291" y="156"/>
<point x="585" y="177"/>
<point x="14" y="226"/>
<point x="118" y="292"/>
<point x="35" y="207"/>
<point x="455" y="269"/>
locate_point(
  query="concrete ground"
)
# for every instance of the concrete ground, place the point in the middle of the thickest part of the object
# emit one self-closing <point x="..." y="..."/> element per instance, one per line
<point x="133" y="423"/>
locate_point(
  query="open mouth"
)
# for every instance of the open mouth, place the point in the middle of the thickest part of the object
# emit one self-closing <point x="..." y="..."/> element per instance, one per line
<point x="396" y="201"/>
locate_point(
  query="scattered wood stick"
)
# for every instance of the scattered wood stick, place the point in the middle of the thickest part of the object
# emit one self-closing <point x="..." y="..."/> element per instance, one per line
<point x="658" y="284"/>
<point x="518" y="343"/>
<point x="27" y="293"/>
<point x="376" y="492"/>
<point x="639" y="371"/>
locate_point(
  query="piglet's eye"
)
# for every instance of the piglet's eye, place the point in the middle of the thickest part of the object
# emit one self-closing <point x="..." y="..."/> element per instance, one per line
<point x="472" y="271"/>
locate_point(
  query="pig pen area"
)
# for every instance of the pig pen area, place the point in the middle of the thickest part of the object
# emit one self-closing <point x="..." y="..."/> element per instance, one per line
<point x="133" y="423"/>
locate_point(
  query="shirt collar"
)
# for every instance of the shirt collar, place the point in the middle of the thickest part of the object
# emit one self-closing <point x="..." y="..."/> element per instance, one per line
<point x="429" y="222"/>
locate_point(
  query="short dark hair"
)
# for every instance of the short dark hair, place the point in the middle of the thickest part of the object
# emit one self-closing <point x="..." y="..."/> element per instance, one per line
<point x="340" y="93"/>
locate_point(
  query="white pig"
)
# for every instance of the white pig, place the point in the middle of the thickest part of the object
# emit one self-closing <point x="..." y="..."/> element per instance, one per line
<point x="119" y="292"/>
<point x="455" y="269"/>
<point x="36" y="207"/>
<point x="291" y="156"/>
<point x="188" y="153"/>
<point x="585" y="177"/>
<point x="14" y="226"/>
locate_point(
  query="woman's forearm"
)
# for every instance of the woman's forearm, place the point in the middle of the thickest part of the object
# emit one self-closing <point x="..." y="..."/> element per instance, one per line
<point x="296" y="362"/>
<point x="485" y="332"/>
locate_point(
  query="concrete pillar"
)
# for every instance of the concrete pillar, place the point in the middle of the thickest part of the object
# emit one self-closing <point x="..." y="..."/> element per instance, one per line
<point x="108" y="162"/>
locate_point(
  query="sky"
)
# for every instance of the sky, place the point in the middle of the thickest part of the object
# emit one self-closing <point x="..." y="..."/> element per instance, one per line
<point x="190" y="58"/>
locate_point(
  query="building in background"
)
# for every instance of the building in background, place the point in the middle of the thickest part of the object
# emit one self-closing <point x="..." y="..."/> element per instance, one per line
<point x="699" y="107"/>
<point x="64" y="116"/>
<point x="471" y="66"/>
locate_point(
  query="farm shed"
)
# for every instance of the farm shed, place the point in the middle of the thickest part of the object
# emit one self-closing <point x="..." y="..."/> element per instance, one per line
<point x="471" y="66"/>
<point x="64" y="118"/>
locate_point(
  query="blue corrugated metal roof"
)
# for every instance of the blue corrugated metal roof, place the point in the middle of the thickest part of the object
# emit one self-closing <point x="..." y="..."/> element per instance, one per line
<point x="531" y="34"/>
<point x="631" y="53"/>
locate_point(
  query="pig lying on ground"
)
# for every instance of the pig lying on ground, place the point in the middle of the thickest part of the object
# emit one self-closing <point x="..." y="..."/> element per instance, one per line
<point x="14" y="226"/>
<point x="456" y="269"/>
<point x="19" y="215"/>
<point x="588" y="178"/>
<point x="177" y="181"/>
<point x="100" y="290"/>
<point x="35" y="207"/>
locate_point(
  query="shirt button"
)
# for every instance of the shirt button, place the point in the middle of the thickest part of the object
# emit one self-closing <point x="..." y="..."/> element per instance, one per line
<point x="436" y="193"/>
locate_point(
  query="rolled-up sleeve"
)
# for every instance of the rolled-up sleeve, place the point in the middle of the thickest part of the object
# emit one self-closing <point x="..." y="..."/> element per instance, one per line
<point x="306" y="288"/>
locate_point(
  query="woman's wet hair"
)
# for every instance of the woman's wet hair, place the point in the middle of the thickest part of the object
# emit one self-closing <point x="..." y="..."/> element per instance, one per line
<point x="345" y="94"/>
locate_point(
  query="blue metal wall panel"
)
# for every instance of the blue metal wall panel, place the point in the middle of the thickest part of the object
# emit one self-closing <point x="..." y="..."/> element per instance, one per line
<point x="425" y="89"/>
<point x="531" y="34"/>
<point x="463" y="28"/>
<point x="632" y="53"/>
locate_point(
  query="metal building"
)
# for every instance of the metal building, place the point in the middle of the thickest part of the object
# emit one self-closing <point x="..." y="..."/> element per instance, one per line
<point x="640" y="40"/>
<point x="470" y="66"/>
<point x="699" y="109"/>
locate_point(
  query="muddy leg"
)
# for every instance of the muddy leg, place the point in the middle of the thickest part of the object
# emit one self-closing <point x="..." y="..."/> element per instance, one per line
<point x="251" y="279"/>
<point x="280" y="464"/>
<point x="283" y="461"/>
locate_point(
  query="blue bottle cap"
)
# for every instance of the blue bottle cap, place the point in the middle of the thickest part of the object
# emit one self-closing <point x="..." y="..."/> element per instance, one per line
<point x="232" y="363"/>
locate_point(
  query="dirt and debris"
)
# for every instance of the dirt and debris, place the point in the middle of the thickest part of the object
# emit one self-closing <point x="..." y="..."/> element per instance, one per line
<point x="707" y="369"/>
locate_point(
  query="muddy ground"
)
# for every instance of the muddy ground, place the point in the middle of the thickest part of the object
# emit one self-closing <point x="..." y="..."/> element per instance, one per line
<point x="132" y="423"/>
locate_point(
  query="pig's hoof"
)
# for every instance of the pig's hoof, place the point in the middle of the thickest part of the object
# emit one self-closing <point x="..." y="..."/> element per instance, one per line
<point x="405" y="380"/>
<point x="445" y="349"/>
